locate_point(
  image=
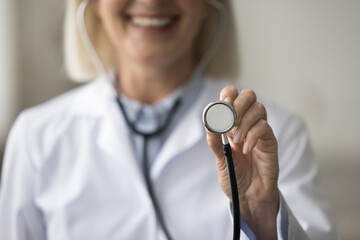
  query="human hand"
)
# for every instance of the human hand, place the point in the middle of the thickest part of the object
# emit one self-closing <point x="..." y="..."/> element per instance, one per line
<point x="255" y="156"/>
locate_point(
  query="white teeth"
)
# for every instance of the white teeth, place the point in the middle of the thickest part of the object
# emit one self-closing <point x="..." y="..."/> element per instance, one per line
<point x="150" y="22"/>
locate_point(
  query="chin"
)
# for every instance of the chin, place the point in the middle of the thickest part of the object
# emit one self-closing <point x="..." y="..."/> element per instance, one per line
<point x="155" y="58"/>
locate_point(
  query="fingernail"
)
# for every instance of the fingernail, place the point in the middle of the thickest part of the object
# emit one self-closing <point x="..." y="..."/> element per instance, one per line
<point x="227" y="100"/>
<point x="245" y="148"/>
<point x="237" y="136"/>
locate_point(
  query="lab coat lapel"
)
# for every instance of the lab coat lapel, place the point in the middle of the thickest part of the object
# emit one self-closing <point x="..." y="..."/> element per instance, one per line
<point x="187" y="133"/>
<point x="113" y="136"/>
<point x="114" y="140"/>
<point x="184" y="136"/>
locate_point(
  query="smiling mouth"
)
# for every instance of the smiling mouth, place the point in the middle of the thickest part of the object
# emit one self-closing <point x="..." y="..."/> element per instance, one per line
<point x="152" y="22"/>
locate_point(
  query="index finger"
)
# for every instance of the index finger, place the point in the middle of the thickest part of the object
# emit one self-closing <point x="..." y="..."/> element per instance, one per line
<point x="243" y="101"/>
<point x="229" y="94"/>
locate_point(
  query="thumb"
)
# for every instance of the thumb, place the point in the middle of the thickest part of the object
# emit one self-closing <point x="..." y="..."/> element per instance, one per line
<point x="215" y="144"/>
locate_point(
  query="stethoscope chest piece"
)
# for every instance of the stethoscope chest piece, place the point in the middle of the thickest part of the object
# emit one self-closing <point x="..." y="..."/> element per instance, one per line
<point x="219" y="117"/>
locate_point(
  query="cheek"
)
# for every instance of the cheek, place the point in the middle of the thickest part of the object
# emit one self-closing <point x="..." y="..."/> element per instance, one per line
<point x="111" y="9"/>
<point x="193" y="22"/>
<point x="114" y="5"/>
<point x="197" y="8"/>
<point x="110" y="13"/>
<point x="195" y="13"/>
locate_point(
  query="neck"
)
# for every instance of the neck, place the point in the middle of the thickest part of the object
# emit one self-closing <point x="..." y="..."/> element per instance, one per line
<point x="148" y="83"/>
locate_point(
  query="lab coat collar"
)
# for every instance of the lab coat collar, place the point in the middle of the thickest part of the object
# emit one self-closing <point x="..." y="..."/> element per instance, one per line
<point x="188" y="132"/>
<point x="185" y="135"/>
<point x="93" y="98"/>
<point x="114" y="140"/>
<point x="101" y="103"/>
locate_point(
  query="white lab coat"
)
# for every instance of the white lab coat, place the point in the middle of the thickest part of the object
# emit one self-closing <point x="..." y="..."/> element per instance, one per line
<point x="70" y="173"/>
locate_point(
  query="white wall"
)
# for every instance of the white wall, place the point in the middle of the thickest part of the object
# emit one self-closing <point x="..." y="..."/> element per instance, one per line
<point x="9" y="103"/>
<point x="40" y="40"/>
<point x="305" y="55"/>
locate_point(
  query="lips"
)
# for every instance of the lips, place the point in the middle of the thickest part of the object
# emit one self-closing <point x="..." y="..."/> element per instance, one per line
<point x="152" y="22"/>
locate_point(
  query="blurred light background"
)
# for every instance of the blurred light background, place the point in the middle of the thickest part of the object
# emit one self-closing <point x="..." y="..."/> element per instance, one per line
<point x="303" y="55"/>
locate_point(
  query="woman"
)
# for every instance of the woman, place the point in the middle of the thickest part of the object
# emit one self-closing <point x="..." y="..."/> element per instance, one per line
<point x="84" y="166"/>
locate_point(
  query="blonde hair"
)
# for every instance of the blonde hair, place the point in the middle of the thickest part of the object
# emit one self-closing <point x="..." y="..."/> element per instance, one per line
<point x="80" y="67"/>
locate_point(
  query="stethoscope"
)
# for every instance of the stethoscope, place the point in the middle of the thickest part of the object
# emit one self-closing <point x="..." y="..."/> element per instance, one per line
<point x="220" y="117"/>
<point x="210" y="121"/>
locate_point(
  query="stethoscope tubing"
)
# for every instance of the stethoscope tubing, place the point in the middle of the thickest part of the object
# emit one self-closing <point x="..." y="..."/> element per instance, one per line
<point x="234" y="191"/>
